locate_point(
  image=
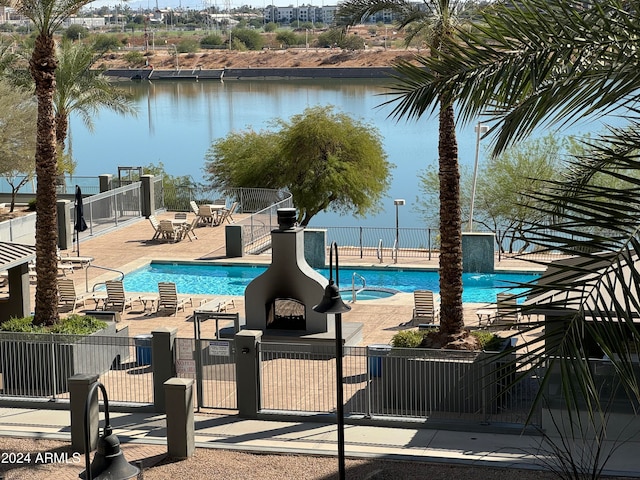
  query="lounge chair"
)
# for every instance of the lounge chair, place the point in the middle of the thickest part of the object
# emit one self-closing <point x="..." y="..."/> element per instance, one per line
<point x="216" y="305"/>
<point x="169" y="299"/>
<point x="67" y="294"/>
<point x="506" y="314"/>
<point x="116" y="298"/>
<point x="426" y="308"/>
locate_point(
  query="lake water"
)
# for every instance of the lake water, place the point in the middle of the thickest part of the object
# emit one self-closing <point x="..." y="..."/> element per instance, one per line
<point x="179" y="120"/>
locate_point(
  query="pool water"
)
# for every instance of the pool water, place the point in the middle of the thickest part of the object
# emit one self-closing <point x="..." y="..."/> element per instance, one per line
<point x="197" y="279"/>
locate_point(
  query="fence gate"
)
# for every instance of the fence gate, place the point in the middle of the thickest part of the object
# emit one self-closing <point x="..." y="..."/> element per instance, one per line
<point x="212" y="364"/>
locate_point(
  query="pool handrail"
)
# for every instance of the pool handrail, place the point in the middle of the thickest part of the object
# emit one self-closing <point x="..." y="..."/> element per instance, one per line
<point x="86" y="275"/>
<point x="354" y="294"/>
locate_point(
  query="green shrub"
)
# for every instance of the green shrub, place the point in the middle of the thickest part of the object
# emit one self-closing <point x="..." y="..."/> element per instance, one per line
<point x="413" y="338"/>
<point x="213" y="40"/>
<point x="487" y="340"/>
<point x="135" y="59"/>
<point x="72" y="325"/>
<point x="104" y="43"/>
<point x="287" y="37"/>
<point x="22" y="325"/>
<point x="409" y="338"/>
<point x="187" y="45"/>
<point x="252" y="39"/>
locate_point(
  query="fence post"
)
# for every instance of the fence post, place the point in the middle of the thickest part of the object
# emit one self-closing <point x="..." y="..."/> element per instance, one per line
<point x="248" y="372"/>
<point x="180" y="423"/>
<point x="162" y="364"/>
<point x="147" y="195"/>
<point x="106" y="182"/>
<point x="234" y="240"/>
<point x="79" y="387"/>
<point x="65" y="232"/>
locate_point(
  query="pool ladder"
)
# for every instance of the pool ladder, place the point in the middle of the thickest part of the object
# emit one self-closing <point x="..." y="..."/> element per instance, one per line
<point x="354" y="293"/>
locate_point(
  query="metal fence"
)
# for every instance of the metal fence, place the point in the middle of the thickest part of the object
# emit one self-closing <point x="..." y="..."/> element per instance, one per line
<point x="19" y="230"/>
<point x="212" y="366"/>
<point x="256" y="228"/>
<point x="250" y="200"/>
<point x="109" y="209"/>
<point x="39" y="365"/>
<point x="65" y="185"/>
<point x="448" y="386"/>
<point x="384" y="243"/>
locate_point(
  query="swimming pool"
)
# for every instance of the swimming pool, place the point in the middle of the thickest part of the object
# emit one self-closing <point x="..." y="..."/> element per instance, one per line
<point x="198" y="279"/>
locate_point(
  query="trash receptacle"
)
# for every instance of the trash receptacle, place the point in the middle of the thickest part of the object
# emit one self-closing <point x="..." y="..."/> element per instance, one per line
<point x="143" y="349"/>
<point x="375" y="353"/>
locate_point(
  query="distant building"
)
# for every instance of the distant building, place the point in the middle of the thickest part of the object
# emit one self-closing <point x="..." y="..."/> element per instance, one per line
<point x="87" y="22"/>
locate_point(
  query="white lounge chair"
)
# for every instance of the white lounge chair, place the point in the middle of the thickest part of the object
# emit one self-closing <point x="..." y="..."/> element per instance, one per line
<point x="426" y="307"/>
<point x="116" y="298"/>
<point x="67" y="294"/>
<point x="169" y="299"/>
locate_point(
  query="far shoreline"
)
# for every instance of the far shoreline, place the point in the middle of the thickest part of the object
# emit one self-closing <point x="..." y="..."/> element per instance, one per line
<point x="285" y="73"/>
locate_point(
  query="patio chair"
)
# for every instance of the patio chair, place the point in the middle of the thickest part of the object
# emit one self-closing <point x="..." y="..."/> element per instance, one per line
<point x="426" y="308"/>
<point x="189" y="229"/>
<point x="156" y="227"/>
<point x="206" y="215"/>
<point x="116" y="298"/>
<point x="169" y="299"/>
<point x="225" y="215"/>
<point x="194" y="207"/>
<point x="170" y="231"/>
<point x="67" y="294"/>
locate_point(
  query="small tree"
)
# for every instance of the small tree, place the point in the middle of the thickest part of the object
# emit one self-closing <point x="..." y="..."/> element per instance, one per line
<point x="17" y="136"/>
<point x="327" y="160"/>
<point x="76" y="32"/>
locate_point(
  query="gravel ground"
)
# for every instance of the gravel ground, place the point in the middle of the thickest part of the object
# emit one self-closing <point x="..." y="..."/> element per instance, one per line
<point x="233" y="465"/>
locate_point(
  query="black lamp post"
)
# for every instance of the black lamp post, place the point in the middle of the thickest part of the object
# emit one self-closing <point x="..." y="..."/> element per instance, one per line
<point x="332" y="303"/>
<point x="108" y="462"/>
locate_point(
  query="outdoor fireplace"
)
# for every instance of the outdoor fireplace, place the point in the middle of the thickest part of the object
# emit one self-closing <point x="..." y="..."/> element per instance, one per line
<point x="283" y="297"/>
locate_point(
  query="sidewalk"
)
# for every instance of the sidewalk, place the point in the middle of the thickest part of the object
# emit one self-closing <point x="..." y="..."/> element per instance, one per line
<point x="217" y="431"/>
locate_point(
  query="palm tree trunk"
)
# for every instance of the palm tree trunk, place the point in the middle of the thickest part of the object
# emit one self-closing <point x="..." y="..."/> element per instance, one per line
<point x="62" y="126"/>
<point x="451" y="313"/>
<point x="42" y="66"/>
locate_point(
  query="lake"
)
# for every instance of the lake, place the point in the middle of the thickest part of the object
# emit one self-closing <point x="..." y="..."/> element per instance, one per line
<point x="178" y="121"/>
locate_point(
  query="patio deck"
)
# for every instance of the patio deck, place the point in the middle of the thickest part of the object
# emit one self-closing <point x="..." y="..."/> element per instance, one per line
<point x="131" y="247"/>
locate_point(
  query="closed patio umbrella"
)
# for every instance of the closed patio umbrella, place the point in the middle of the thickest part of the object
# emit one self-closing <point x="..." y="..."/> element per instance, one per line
<point x="80" y="225"/>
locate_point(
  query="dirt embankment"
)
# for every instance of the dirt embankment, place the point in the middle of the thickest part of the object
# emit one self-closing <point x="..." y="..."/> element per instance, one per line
<point x="290" y="58"/>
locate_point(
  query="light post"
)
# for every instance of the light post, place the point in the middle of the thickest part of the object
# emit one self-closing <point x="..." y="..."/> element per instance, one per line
<point x="332" y="303"/>
<point x="398" y="202"/>
<point x="480" y="130"/>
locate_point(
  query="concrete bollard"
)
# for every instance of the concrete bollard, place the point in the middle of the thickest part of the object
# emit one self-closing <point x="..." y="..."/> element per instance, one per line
<point x="180" y="423"/>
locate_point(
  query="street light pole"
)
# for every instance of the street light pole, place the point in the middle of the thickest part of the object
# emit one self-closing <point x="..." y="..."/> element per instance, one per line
<point x="480" y="130"/>
<point x="397" y="202"/>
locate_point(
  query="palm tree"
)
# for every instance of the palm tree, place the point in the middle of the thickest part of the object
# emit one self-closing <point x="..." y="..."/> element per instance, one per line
<point x="47" y="17"/>
<point x="83" y="91"/>
<point x="552" y="62"/>
<point x="436" y="21"/>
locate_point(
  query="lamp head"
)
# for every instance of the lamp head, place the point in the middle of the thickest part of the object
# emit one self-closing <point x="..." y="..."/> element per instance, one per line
<point x="109" y="462"/>
<point x="331" y="301"/>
